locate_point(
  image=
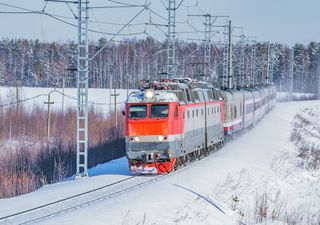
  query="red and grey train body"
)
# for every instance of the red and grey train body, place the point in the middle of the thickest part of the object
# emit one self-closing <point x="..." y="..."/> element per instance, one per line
<point x="171" y="123"/>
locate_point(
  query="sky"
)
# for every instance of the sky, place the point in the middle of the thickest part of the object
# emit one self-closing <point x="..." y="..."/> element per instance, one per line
<point x="283" y="21"/>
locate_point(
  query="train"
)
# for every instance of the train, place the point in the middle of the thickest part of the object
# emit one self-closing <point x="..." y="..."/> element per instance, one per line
<point x="172" y="122"/>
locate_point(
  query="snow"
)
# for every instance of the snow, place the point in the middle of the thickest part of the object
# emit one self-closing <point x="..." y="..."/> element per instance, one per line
<point x="263" y="160"/>
<point x="284" y="96"/>
<point x="308" y="128"/>
<point x="118" y="166"/>
<point x="114" y="170"/>
<point x="100" y="99"/>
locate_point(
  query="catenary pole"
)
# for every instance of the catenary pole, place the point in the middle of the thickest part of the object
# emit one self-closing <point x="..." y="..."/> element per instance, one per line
<point x="171" y="36"/>
<point x="82" y="89"/>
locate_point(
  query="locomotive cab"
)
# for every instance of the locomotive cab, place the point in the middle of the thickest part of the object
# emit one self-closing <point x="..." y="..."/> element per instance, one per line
<point x="152" y="128"/>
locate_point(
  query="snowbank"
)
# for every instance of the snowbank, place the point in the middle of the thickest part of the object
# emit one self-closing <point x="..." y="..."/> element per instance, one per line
<point x="306" y="133"/>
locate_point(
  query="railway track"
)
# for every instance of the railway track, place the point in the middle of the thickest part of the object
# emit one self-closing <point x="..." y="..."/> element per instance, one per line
<point x="69" y="204"/>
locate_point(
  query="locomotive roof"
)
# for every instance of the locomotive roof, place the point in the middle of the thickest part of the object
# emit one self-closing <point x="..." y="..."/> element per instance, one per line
<point x="175" y="90"/>
<point x="159" y="96"/>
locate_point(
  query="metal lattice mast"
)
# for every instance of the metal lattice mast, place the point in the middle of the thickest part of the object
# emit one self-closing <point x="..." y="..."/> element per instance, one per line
<point x="271" y="66"/>
<point x="171" y="37"/>
<point x="230" y="72"/>
<point x="207" y="44"/>
<point x="225" y="61"/>
<point x="266" y="81"/>
<point x="82" y="89"/>
<point x="253" y="64"/>
<point x="242" y="63"/>
<point x="290" y="77"/>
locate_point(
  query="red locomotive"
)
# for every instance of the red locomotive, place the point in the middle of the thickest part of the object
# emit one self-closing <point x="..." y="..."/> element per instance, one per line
<point x="171" y="123"/>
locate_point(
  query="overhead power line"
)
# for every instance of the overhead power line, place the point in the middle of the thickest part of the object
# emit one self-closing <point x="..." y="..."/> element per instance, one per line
<point x="115" y="7"/>
<point x="124" y="4"/>
<point x="179" y="4"/>
<point x="58" y="18"/>
<point x="127" y="24"/>
<point x="62" y="1"/>
<point x="49" y="93"/>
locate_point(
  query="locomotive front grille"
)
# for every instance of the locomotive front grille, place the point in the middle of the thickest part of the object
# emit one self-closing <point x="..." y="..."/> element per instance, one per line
<point x="149" y="146"/>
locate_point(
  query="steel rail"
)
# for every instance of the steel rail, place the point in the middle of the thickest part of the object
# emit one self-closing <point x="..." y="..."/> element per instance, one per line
<point x="64" y="199"/>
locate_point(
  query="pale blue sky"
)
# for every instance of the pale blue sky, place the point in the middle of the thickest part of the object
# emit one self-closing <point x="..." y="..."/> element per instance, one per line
<point x="284" y="21"/>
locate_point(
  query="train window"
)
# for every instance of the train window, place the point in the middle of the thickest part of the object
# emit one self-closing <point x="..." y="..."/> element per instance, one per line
<point x="215" y="110"/>
<point x="201" y="112"/>
<point x="138" y="111"/>
<point x="210" y="95"/>
<point x="192" y="113"/>
<point x="159" y="111"/>
<point x="218" y="109"/>
<point x="208" y="111"/>
<point x="180" y="96"/>
<point x="188" y="114"/>
<point x="196" y="96"/>
<point x="197" y="113"/>
<point x="212" y="110"/>
<point x="183" y="115"/>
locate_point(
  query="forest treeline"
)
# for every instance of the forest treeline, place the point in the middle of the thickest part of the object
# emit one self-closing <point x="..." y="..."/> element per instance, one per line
<point x="122" y="64"/>
<point x="29" y="160"/>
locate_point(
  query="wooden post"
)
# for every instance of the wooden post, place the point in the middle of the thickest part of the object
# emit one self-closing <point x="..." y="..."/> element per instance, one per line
<point x="115" y="95"/>
<point x="63" y="86"/>
<point x="48" y="117"/>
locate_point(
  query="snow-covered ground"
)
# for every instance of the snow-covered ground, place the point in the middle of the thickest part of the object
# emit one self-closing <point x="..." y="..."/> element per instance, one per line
<point x="260" y="165"/>
<point x="100" y="99"/>
<point x="307" y="128"/>
<point x="284" y="96"/>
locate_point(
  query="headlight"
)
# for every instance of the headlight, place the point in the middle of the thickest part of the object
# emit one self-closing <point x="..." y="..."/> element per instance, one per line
<point x="160" y="138"/>
<point x="149" y="94"/>
<point x="136" y="139"/>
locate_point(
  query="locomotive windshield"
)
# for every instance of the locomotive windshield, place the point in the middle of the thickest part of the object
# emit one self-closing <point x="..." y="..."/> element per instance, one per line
<point x="159" y="111"/>
<point x="138" y="111"/>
